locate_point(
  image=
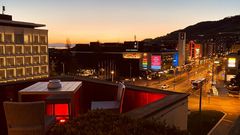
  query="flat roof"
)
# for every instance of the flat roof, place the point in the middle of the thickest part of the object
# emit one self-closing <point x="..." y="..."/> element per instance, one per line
<point x="5" y="22"/>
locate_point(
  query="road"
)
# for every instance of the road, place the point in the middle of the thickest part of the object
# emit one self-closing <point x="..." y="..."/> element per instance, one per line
<point x="222" y="101"/>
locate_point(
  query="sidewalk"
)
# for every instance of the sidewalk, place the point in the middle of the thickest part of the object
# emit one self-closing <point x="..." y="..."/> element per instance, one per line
<point x="225" y="125"/>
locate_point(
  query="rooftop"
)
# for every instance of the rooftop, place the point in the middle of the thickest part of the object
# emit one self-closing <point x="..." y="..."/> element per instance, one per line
<point x="6" y="20"/>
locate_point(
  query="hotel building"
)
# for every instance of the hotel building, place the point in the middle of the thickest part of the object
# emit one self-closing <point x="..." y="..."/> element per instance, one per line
<point x="23" y="50"/>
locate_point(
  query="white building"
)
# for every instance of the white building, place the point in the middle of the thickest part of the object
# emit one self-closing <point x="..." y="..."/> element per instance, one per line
<point x="23" y="50"/>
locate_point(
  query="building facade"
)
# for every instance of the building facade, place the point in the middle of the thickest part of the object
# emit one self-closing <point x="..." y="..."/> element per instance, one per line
<point x="23" y="50"/>
<point x="233" y="66"/>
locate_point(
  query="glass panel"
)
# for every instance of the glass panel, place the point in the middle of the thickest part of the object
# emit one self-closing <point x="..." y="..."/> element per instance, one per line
<point x="10" y="73"/>
<point x="19" y="61"/>
<point x="2" y="74"/>
<point x="8" y="38"/>
<point x="28" y="71"/>
<point x="19" y="49"/>
<point x="35" y="39"/>
<point x="1" y="62"/>
<point x="10" y="61"/>
<point x="18" y="38"/>
<point x="1" y="49"/>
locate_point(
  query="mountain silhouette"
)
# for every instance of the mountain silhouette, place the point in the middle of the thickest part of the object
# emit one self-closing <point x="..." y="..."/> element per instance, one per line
<point x="203" y="30"/>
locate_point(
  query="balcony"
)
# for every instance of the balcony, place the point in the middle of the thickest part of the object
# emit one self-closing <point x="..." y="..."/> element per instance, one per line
<point x="138" y="102"/>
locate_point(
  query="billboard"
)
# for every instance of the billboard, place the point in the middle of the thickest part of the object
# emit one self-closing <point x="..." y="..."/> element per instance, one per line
<point x="155" y="62"/>
<point x="145" y="61"/>
<point x="131" y="55"/>
<point x="175" y="60"/>
<point x="231" y="62"/>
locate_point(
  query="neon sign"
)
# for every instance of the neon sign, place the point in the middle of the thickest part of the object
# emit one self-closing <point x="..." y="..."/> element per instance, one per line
<point x="156" y="62"/>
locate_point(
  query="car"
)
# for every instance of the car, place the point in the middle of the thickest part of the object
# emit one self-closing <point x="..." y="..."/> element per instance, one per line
<point x="164" y="86"/>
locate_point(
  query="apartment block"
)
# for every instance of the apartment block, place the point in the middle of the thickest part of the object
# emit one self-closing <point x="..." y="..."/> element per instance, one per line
<point x="23" y="50"/>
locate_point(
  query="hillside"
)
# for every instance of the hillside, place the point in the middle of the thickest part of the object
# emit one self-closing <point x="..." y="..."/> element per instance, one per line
<point x="203" y="30"/>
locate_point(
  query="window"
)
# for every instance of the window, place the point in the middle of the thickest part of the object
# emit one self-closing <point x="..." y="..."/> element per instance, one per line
<point x="35" y="59"/>
<point x="10" y="73"/>
<point x="9" y="49"/>
<point x="10" y="61"/>
<point x="28" y="71"/>
<point x="1" y="38"/>
<point x="27" y="49"/>
<point x="43" y="39"/>
<point x="44" y="59"/>
<point x="2" y="62"/>
<point x="18" y="38"/>
<point x="27" y="39"/>
<point x="2" y="74"/>
<point x="44" y="69"/>
<point x="1" y="49"/>
<point x="43" y="49"/>
<point x="28" y="60"/>
<point x="35" y="39"/>
<point x="8" y="38"/>
<point x="19" y="61"/>
<point x="19" y="49"/>
<point x="36" y="70"/>
<point x="19" y="72"/>
<point x="35" y="49"/>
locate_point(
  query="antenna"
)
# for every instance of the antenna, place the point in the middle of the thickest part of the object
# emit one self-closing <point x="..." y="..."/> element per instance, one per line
<point x="3" y="9"/>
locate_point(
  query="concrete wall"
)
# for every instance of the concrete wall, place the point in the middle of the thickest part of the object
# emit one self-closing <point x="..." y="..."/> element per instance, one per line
<point x="176" y="115"/>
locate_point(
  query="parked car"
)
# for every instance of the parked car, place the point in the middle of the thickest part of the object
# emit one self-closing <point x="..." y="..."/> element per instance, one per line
<point x="164" y="86"/>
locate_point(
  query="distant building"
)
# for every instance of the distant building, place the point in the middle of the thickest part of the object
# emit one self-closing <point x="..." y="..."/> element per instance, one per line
<point x="235" y="48"/>
<point x="233" y="66"/>
<point x="194" y="51"/>
<point x="181" y="48"/>
<point x="23" y="50"/>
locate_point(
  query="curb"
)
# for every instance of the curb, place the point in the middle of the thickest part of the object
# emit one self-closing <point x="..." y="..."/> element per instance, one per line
<point x="210" y="132"/>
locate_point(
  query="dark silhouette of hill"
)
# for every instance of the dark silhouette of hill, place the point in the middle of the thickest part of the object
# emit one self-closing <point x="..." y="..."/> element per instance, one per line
<point x="203" y="30"/>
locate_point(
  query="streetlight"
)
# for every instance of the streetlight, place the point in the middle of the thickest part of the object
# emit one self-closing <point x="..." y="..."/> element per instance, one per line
<point x="213" y="71"/>
<point x="174" y="79"/>
<point x="112" y="73"/>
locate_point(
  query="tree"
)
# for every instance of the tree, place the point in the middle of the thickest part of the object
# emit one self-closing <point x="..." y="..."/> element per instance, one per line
<point x="68" y="43"/>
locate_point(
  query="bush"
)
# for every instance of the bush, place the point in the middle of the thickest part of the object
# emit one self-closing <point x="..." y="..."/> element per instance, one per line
<point x="101" y="122"/>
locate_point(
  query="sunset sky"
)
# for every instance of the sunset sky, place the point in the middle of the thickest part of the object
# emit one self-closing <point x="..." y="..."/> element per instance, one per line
<point x="83" y="21"/>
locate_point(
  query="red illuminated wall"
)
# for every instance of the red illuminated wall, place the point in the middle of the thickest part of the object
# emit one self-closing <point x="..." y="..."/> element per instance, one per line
<point x="135" y="99"/>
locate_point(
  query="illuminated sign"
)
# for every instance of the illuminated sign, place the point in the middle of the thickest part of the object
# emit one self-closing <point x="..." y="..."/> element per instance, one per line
<point x="145" y="61"/>
<point x="229" y="77"/>
<point x="156" y="62"/>
<point x="175" y="60"/>
<point x="131" y="55"/>
<point x="231" y="62"/>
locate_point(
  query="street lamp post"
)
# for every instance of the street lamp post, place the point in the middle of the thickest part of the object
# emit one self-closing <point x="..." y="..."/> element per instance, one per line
<point x="213" y="72"/>
<point x="112" y="73"/>
<point x="174" y="82"/>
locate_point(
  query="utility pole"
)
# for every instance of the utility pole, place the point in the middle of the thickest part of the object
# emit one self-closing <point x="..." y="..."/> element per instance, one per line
<point x="213" y="72"/>
<point x="174" y="79"/>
